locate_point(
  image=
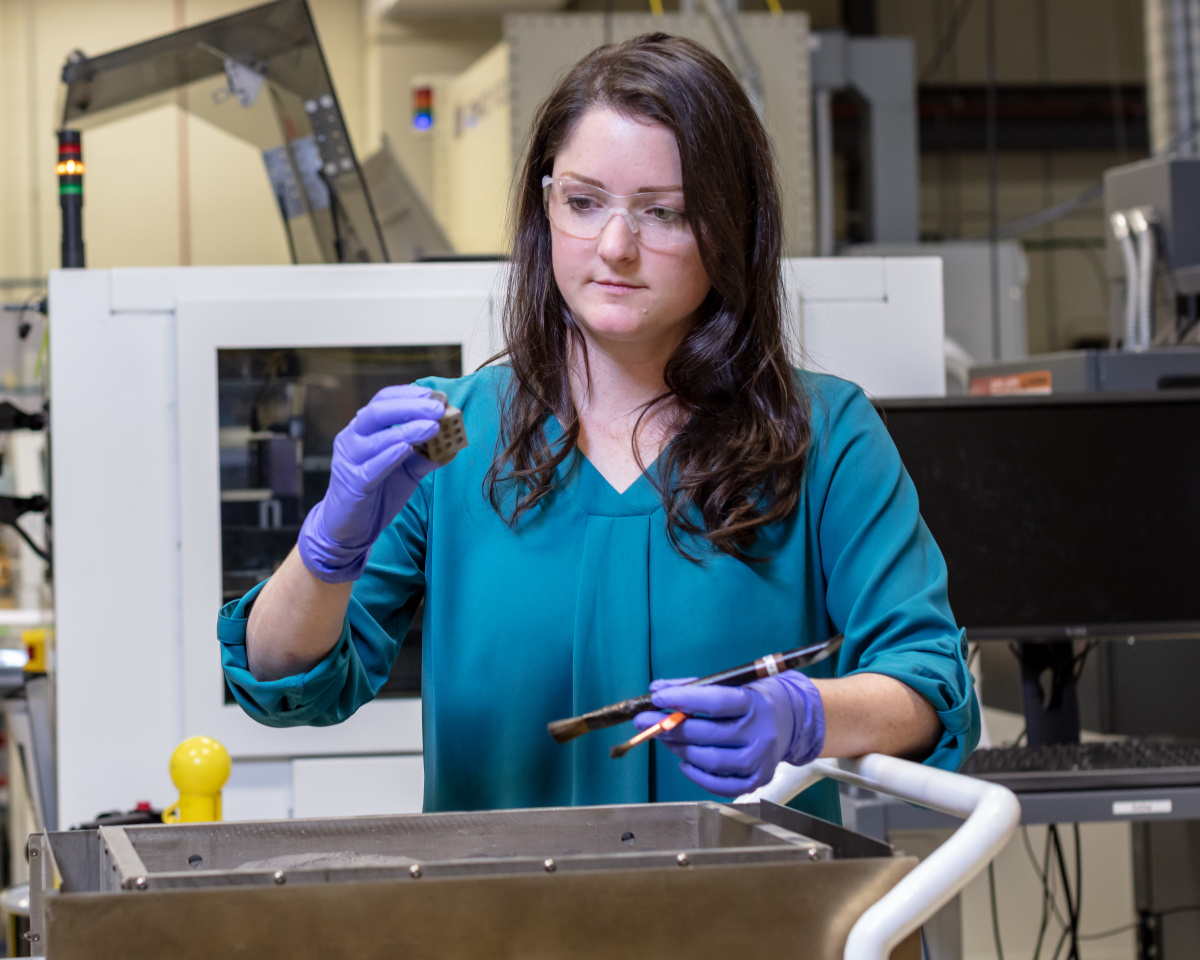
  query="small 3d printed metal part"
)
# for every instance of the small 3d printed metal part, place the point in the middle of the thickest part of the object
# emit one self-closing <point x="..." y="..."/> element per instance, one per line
<point x="450" y="438"/>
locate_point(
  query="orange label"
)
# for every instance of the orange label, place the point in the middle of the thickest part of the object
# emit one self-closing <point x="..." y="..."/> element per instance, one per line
<point x="1011" y="384"/>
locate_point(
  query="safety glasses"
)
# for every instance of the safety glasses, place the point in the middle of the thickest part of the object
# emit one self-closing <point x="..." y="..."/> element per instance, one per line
<point x="582" y="210"/>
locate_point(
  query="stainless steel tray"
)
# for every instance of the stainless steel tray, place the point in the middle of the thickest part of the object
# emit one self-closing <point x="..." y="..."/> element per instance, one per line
<point x="586" y="882"/>
<point x="434" y="845"/>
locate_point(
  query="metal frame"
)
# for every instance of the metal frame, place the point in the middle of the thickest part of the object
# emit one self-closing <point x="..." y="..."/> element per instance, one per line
<point x="416" y="846"/>
<point x="882" y="71"/>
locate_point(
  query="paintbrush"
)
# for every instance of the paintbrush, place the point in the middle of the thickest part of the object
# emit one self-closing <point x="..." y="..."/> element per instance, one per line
<point x="663" y="725"/>
<point x="763" y="667"/>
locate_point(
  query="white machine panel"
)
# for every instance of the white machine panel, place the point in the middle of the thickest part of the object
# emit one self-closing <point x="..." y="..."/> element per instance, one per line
<point x="136" y="495"/>
<point x="203" y="327"/>
<point x="881" y="326"/>
<point x="357" y="786"/>
<point x="258" y="790"/>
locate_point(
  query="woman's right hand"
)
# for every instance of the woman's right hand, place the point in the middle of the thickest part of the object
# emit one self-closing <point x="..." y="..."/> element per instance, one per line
<point x="374" y="472"/>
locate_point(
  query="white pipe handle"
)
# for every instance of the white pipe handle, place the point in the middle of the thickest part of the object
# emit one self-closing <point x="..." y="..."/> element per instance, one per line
<point x="992" y="813"/>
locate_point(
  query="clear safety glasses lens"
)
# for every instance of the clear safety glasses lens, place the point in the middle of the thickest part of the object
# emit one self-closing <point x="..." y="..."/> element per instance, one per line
<point x="582" y="211"/>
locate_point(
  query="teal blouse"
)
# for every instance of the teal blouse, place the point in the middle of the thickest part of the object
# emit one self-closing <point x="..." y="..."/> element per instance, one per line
<point x="585" y="602"/>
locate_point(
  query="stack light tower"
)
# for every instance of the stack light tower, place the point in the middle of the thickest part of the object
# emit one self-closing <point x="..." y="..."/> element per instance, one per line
<point x="70" y="196"/>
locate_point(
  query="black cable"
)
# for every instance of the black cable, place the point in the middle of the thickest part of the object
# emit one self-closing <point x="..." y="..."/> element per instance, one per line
<point x="35" y="303"/>
<point x="995" y="911"/>
<point x="1078" y="890"/>
<point x="1072" y="910"/>
<point x="1190" y="908"/>
<point x="1049" y="902"/>
<point x="1080" y="661"/>
<point x="1043" y="872"/>
<point x="949" y="39"/>
<point x="993" y="174"/>
<point x="1108" y="933"/>
<point x="1045" y="921"/>
<point x="40" y="551"/>
<point x="339" y="243"/>
<point x="1061" y="940"/>
<point x="1039" y="219"/>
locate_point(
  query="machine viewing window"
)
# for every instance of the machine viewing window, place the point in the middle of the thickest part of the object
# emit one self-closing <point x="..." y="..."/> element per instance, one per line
<point x="279" y="410"/>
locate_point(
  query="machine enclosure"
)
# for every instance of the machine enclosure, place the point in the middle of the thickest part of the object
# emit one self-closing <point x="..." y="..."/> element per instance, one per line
<point x="1100" y="371"/>
<point x="1170" y="187"/>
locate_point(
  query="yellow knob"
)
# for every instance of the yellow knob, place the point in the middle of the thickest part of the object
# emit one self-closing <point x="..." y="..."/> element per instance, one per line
<point x="200" y="765"/>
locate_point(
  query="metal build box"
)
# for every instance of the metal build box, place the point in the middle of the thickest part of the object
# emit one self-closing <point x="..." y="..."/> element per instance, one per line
<point x="703" y="880"/>
<point x="1090" y="371"/>
<point x="1171" y="187"/>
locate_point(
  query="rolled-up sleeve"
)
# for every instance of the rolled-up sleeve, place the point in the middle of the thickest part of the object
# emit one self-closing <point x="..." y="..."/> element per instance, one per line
<point x="886" y="585"/>
<point x="382" y="605"/>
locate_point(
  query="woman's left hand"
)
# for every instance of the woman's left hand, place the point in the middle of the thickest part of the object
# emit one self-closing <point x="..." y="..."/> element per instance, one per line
<point x="736" y="736"/>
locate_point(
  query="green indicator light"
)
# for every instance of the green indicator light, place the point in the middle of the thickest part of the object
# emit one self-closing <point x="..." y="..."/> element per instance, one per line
<point x="71" y="188"/>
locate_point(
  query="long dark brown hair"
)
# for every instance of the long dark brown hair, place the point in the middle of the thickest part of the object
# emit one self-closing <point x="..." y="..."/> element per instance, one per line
<point x="737" y="461"/>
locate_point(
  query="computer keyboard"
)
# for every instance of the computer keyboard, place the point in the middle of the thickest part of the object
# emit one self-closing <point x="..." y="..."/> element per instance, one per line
<point x="1089" y="766"/>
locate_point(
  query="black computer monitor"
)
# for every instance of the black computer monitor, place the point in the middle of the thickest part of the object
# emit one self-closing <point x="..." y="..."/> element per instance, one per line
<point x="1060" y="517"/>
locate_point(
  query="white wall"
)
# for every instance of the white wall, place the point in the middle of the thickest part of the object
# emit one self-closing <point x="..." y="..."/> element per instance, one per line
<point x="396" y="53"/>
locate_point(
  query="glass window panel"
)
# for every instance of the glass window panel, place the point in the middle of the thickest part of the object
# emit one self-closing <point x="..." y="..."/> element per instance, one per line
<point x="279" y="410"/>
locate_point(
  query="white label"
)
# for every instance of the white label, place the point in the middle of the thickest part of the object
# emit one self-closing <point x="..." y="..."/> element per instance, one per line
<point x="1126" y="808"/>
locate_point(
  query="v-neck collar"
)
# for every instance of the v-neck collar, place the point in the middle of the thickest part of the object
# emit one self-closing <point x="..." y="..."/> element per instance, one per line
<point x="593" y="493"/>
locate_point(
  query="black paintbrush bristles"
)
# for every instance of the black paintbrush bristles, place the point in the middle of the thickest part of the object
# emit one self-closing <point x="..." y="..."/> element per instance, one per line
<point x="610" y="716"/>
<point x="564" y="730"/>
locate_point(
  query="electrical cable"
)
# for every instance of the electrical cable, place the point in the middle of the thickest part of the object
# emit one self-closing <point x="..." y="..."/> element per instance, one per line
<point x="1065" y="208"/>
<point x="35" y="303"/>
<point x="1081" y="657"/>
<point x="1043" y="217"/>
<point x="1061" y="940"/>
<point x="1190" y="908"/>
<point x="995" y="910"/>
<point x="993" y="175"/>
<point x="1147" y="260"/>
<point x="1043" y="871"/>
<point x="40" y="551"/>
<point x="1133" y="276"/>
<point x="1078" y="889"/>
<point x="1108" y="933"/>
<point x="949" y="39"/>
<point x="1048" y="898"/>
<point x="1072" y="902"/>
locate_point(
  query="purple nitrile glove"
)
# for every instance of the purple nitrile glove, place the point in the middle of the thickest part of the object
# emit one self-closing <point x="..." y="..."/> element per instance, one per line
<point x="736" y="736"/>
<point x="374" y="472"/>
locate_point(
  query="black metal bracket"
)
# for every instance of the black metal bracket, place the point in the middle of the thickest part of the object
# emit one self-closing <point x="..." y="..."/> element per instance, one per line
<point x="1051" y="715"/>
<point x="11" y="508"/>
<point x="13" y="417"/>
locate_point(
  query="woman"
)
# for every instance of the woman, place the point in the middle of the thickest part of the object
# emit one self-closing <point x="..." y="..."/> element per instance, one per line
<point x="651" y="490"/>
